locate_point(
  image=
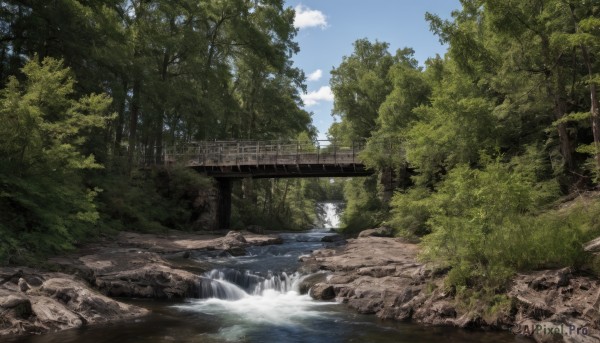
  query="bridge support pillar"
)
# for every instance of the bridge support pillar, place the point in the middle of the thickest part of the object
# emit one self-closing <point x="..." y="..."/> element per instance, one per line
<point x="224" y="200"/>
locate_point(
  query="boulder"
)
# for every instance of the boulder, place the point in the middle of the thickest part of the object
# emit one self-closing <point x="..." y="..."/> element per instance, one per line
<point x="59" y="302"/>
<point x="152" y="281"/>
<point x="310" y="281"/>
<point x="233" y="239"/>
<point x="383" y="231"/>
<point x="322" y="291"/>
<point x="126" y="273"/>
<point x="592" y="246"/>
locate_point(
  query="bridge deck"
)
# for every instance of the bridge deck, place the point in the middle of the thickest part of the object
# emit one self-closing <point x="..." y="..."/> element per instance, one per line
<point x="270" y="158"/>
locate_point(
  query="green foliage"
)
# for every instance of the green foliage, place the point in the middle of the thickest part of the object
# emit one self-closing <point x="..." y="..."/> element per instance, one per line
<point x="452" y="130"/>
<point x="44" y="203"/>
<point x="520" y="82"/>
<point x="151" y="201"/>
<point x="363" y="205"/>
<point x="277" y="204"/>
<point x="360" y="85"/>
<point x="410" y="213"/>
<point x="485" y="225"/>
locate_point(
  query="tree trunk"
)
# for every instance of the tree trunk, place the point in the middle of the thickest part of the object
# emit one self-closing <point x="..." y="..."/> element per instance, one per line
<point x="120" y="121"/>
<point x="595" y="108"/>
<point x="133" y="121"/>
<point x="158" y="142"/>
<point x="556" y="91"/>
<point x="283" y="198"/>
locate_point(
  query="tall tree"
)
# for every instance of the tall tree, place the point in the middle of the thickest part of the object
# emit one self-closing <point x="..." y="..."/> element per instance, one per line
<point x="360" y="85"/>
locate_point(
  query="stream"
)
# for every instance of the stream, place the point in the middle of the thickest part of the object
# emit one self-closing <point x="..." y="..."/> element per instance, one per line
<point x="255" y="298"/>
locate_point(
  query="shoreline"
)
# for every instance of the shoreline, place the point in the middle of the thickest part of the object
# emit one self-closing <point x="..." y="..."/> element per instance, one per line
<point x="381" y="276"/>
<point x="371" y="275"/>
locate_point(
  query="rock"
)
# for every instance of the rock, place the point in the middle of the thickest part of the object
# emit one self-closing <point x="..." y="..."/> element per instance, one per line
<point x="237" y="251"/>
<point x="89" y="305"/>
<point x="342" y="279"/>
<point x="153" y="281"/>
<point x="23" y="286"/>
<point x="444" y="310"/>
<point x="60" y="302"/>
<point x="122" y="273"/>
<point x="332" y="238"/>
<point x="233" y="239"/>
<point x="11" y="301"/>
<point x="322" y="291"/>
<point x="381" y="276"/>
<point x="592" y="246"/>
<point x="264" y="240"/>
<point x="33" y="281"/>
<point x="377" y="271"/>
<point x="383" y="231"/>
<point x="10" y="276"/>
<point x="307" y="238"/>
<point x="309" y="281"/>
<point x="33" y="302"/>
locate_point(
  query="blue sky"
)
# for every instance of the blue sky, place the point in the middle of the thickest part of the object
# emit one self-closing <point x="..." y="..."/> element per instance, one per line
<point x="327" y="29"/>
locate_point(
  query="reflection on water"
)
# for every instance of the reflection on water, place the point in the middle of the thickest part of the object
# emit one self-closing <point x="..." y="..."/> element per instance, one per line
<point x="255" y="299"/>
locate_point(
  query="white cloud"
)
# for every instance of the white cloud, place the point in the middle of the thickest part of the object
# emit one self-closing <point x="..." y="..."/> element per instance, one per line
<point x="306" y="17"/>
<point x="315" y="75"/>
<point x="313" y="98"/>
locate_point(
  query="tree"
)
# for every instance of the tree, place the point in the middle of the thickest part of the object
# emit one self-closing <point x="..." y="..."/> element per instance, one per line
<point x="44" y="204"/>
<point x="360" y="85"/>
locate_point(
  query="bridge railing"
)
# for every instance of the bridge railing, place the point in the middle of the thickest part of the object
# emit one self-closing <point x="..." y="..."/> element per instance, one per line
<point x="241" y="153"/>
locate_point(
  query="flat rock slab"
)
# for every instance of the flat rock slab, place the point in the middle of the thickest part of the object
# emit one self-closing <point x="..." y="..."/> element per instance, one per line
<point x="382" y="276"/>
<point x="135" y="265"/>
<point x="54" y="301"/>
<point x="177" y="241"/>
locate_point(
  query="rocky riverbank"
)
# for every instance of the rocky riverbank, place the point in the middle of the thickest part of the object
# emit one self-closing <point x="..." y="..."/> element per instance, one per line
<point x="76" y="293"/>
<point x="381" y="276"/>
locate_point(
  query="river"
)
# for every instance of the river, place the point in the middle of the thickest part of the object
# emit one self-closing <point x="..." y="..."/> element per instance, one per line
<point x="254" y="298"/>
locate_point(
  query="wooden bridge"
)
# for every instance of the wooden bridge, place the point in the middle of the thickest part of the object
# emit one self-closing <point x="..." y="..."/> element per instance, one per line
<point x="230" y="160"/>
<point x="269" y="159"/>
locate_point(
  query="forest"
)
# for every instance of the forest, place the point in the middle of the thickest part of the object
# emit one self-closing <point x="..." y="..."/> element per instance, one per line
<point x="91" y="88"/>
<point x="484" y="143"/>
<point x="487" y="142"/>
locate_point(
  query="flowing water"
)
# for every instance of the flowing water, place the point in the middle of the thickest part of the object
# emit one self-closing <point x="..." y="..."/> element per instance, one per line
<point x="255" y="298"/>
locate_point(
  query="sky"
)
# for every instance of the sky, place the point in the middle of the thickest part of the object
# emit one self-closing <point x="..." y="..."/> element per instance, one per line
<point x="327" y="29"/>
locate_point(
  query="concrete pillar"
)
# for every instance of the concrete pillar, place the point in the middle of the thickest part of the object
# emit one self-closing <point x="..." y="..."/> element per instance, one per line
<point x="224" y="201"/>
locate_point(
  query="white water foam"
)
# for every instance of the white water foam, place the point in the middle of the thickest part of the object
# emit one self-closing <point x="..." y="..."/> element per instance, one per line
<point x="244" y="301"/>
<point x="332" y="219"/>
<point x="272" y="308"/>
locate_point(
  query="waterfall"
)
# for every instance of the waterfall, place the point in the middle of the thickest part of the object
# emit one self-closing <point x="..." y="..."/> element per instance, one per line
<point x="329" y="214"/>
<point x="258" y="292"/>
<point x="231" y="284"/>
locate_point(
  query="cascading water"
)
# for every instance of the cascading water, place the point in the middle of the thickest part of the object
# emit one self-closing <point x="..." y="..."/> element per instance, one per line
<point x="232" y="284"/>
<point x="257" y="293"/>
<point x="329" y="214"/>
